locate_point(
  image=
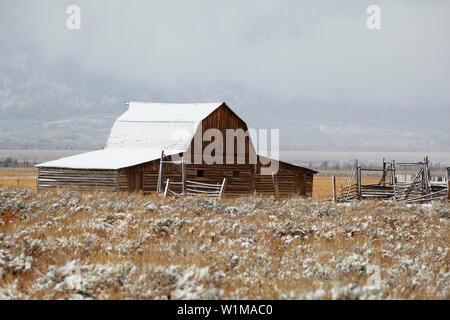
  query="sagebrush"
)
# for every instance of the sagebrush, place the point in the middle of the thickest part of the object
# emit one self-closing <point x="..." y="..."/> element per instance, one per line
<point x="102" y="245"/>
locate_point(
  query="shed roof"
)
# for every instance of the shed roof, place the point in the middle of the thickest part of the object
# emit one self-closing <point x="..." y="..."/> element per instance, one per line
<point x="107" y="159"/>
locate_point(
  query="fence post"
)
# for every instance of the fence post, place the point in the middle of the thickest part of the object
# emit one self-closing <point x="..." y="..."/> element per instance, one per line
<point x="427" y="164"/>
<point x="350" y="181"/>
<point x="167" y="187"/>
<point x="394" y="178"/>
<point x="160" y="177"/>
<point x="359" y="183"/>
<point x="37" y="181"/>
<point x="333" y="182"/>
<point x="358" y="180"/>
<point x="183" y="176"/>
<point x="448" y="183"/>
<point x="222" y="189"/>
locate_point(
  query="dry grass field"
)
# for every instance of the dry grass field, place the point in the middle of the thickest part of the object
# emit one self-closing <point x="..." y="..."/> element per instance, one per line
<point x="18" y="178"/>
<point x="102" y="245"/>
<point x="321" y="188"/>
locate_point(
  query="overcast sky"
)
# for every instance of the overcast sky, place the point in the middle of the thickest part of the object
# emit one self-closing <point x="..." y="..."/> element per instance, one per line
<point x="276" y="62"/>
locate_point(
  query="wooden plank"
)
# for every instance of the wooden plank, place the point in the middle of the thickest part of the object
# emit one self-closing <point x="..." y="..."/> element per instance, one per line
<point x="80" y="179"/>
<point x="222" y="189"/>
<point x="167" y="187"/>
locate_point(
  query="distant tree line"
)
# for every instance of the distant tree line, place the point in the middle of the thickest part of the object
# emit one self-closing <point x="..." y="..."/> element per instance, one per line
<point x="15" y="163"/>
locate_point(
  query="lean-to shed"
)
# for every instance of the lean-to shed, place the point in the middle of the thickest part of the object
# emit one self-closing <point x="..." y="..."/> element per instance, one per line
<point x="130" y="160"/>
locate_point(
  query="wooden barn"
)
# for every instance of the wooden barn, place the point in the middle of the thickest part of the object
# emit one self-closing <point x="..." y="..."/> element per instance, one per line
<point x="131" y="159"/>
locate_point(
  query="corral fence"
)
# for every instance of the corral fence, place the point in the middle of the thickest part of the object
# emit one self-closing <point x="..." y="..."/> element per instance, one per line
<point x="418" y="187"/>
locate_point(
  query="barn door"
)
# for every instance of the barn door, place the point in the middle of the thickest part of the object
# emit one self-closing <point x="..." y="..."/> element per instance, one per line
<point x="301" y="184"/>
<point x="135" y="180"/>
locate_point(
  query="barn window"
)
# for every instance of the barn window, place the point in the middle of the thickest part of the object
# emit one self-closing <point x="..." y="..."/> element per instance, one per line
<point x="235" y="174"/>
<point x="199" y="173"/>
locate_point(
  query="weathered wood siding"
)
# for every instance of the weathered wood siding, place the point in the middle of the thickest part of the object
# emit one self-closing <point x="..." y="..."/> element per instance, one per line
<point x="122" y="183"/>
<point x="292" y="180"/>
<point x="241" y="179"/>
<point x="223" y="118"/>
<point x="289" y="185"/>
<point x="76" y="178"/>
<point x="150" y="182"/>
<point x="309" y="184"/>
<point x="131" y="179"/>
<point x="210" y="174"/>
<point x="264" y="184"/>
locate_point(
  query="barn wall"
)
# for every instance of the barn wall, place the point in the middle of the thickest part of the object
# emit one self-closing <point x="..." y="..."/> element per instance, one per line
<point x="210" y="174"/>
<point x="309" y="185"/>
<point x="122" y="180"/>
<point x="288" y="184"/>
<point x="223" y="118"/>
<point x="151" y="172"/>
<point x="264" y="184"/>
<point x="292" y="180"/>
<point x="131" y="179"/>
<point x="75" y="178"/>
<point x="237" y="183"/>
<point x="241" y="179"/>
<point x="150" y="182"/>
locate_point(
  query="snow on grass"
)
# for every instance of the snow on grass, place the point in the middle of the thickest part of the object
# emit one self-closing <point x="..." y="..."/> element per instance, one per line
<point x="101" y="245"/>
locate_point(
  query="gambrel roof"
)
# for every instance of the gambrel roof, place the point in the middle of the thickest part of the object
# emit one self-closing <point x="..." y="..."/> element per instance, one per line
<point x="161" y="126"/>
<point x="141" y="133"/>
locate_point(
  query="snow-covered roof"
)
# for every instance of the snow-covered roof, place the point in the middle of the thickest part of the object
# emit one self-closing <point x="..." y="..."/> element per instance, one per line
<point x="162" y="126"/>
<point x="168" y="112"/>
<point x="108" y="158"/>
<point x="141" y="133"/>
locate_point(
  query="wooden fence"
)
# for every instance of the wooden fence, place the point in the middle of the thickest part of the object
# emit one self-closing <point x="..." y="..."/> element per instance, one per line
<point x="420" y="187"/>
<point x="195" y="188"/>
